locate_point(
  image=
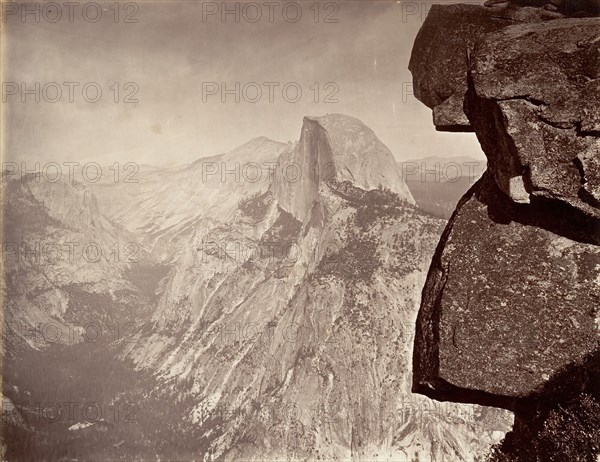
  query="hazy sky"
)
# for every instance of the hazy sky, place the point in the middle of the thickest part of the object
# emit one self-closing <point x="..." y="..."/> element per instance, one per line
<point x="172" y="50"/>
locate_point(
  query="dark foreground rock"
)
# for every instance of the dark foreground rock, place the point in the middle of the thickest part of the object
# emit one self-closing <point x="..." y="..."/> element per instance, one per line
<point x="510" y="312"/>
<point x="439" y="60"/>
<point x="511" y="299"/>
<point x="534" y="100"/>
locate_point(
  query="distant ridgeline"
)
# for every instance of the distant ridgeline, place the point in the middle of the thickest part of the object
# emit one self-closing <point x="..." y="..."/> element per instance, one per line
<point x="223" y="310"/>
<point x="438" y="183"/>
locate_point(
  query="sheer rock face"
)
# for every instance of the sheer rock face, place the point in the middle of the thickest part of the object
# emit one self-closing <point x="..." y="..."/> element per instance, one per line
<point x="334" y="147"/>
<point x="512" y="297"/>
<point x="439" y="60"/>
<point x="533" y="100"/>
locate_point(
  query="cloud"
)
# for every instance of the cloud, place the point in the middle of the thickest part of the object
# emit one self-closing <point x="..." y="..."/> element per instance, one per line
<point x="170" y="52"/>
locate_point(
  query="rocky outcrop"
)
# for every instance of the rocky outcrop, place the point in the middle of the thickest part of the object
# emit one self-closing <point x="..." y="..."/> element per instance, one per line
<point x="568" y="7"/>
<point x="441" y="52"/>
<point x="533" y="100"/>
<point x="512" y="293"/>
<point x="440" y="55"/>
<point x="512" y="296"/>
<point x="334" y="147"/>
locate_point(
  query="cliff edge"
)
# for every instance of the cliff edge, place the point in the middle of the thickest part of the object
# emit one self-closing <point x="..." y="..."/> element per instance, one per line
<point x="510" y="311"/>
<point x="337" y="148"/>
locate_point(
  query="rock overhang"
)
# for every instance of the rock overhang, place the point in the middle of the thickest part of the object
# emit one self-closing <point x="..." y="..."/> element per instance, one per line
<point x="512" y="296"/>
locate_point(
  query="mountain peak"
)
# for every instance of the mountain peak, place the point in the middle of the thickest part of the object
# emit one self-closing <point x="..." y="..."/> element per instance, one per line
<point x="339" y="148"/>
<point x="259" y="149"/>
<point x="259" y="140"/>
<point x="358" y="155"/>
<point x="337" y="121"/>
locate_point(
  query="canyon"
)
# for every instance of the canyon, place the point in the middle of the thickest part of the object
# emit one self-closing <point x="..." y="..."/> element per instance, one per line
<point x="250" y="316"/>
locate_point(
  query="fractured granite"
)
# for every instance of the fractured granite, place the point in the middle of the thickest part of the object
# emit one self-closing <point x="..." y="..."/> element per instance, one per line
<point x="512" y="298"/>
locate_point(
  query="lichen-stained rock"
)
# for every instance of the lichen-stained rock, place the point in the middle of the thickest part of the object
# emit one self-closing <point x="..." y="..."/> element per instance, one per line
<point x="570" y="7"/>
<point x="439" y="61"/>
<point x="589" y="162"/>
<point x="511" y="299"/>
<point x="534" y="99"/>
<point x="510" y="311"/>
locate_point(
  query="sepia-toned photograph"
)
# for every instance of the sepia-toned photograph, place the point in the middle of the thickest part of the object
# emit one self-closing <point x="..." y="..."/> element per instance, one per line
<point x="278" y="231"/>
